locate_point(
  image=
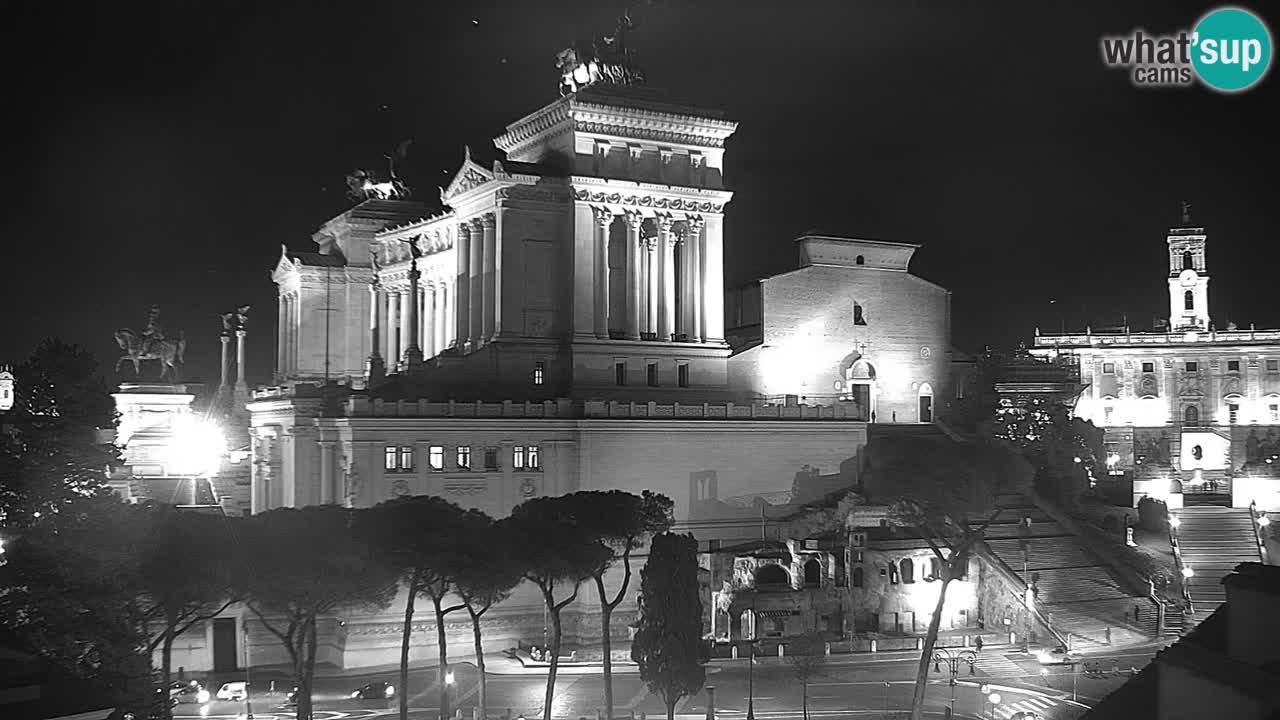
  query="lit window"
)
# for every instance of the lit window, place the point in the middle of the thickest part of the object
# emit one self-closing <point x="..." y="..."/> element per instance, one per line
<point x="1193" y="366"/>
<point x="464" y="457"/>
<point x="389" y="458"/>
<point x="491" y="458"/>
<point x="682" y="375"/>
<point x="1273" y="365"/>
<point x="1148" y="367"/>
<point x="620" y="373"/>
<point x="436" y="457"/>
<point x="1233" y="366"/>
<point x="652" y="374"/>
<point x="1109" y="368"/>
<point x="517" y="457"/>
<point x="1274" y="411"/>
<point x="532" y="459"/>
<point x="1188" y="301"/>
<point x="1233" y="413"/>
<point x="539" y="372"/>
<point x="1106" y="414"/>
<point x="406" y="459"/>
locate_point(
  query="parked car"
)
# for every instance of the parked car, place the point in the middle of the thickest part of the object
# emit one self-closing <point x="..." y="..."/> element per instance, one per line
<point x="1056" y="656"/>
<point x="189" y="692"/>
<point x="235" y="691"/>
<point x="375" y="691"/>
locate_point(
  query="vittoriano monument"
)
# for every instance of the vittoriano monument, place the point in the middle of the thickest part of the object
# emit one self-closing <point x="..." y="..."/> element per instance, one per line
<point x="151" y="344"/>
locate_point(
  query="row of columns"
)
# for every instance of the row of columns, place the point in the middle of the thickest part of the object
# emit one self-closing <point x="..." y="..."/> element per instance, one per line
<point x="651" y="281"/>
<point x="404" y="317"/>
<point x="290" y="320"/>
<point x="479" y="290"/>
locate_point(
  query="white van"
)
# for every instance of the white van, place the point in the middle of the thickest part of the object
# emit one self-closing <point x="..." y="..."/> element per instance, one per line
<point x="234" y="691"/>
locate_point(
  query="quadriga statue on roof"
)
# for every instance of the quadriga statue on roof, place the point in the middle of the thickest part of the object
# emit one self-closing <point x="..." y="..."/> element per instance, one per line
<point x="609" y="61"/>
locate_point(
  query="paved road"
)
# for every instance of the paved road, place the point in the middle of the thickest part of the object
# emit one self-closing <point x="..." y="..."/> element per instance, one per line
<point x="861" y="687"/>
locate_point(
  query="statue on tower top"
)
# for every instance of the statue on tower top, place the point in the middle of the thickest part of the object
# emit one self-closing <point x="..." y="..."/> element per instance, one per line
<point x="609" y="61"/>
<point x="1186" y="213"/>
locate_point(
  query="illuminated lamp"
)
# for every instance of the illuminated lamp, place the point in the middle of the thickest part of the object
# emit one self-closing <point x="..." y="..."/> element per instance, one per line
<point x="1263" y="521"/>
<point x="1174" y="521"/>
<point x="196" y="446"/>
<point x="1187" y="572"/>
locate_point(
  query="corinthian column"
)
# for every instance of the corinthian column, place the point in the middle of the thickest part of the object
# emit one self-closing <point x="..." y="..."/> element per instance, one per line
<point x="412" y="351"/>
<point x="667" y="280"/>
<point x="374" y="369"/>
<point x="634" y="221"/>
<point x="475" y="283"/>
<point x="281" y="337"/>
<point x="652" y="267"/>
<point x="462" y="294"/>
<point x="698" y="277"/>
<point x="393" y="327"/>
<point x="428" y="311"/>
<point x="604" y="219"/>
<point x="489" y="311"/>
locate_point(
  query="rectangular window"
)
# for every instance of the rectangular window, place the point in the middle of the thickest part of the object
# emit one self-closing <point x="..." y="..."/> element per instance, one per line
<point x="389" y="458"/>
<point x="682" y="375"/>
<point x="491" y="458"/>
<point x="620" y="373"/>
<point x="532" y="459"/>
<point x="1193" y="366"/>
<point x="406" y="459"/>
<point x="1109" y="368"/>
<point x="539" y="372"/>
<point x="1274" y="411"/>
<point x="436" y="457"/>
<point x="1148" y="367"/>
<point x="464" y="457"/>
<point x="652" y="374"/>
<point x="1106" y="414"/>
<point x="1273" y="365"/>
<point x="1233" y="366"/>
<point x="1233" y="413"/>
<point x="517" y="457"/>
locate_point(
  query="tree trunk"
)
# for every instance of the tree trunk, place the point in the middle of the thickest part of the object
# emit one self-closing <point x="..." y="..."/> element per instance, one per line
<point x="804" y="696"/>
<point x="671" y="710"/>
<point x="475" y="631"/>
<point x="606" y="645"/>
<point x="310" y="668"/>
<point x="443" y="646"/>
<point x="299" y="652"/>
<point x="555" y="656"/>
<point x="926" y="652"/>
<point x="404" y="649"/>
<point x="166" y="667"/>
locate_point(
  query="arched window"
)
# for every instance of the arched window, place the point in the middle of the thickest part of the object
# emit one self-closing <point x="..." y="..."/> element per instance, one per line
<point x="908" y="570"/>
<point x="1188" y="261"/>
<point x="859" y="260"/>
<point x="1188" y="300"/>
<point x="772" y="575"/>
<point x="858" y="319"/>
<point x="857" y="577"/>
<point x="1191" y="415"/>
<point x="812" y="573"/>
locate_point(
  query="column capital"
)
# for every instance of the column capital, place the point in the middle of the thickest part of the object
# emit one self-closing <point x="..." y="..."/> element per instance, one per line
<point x="603" y="215"/>
<point x="665" y="222"/>
<point x="464" y="228"/>
<point x="650" y="243"/>
<point x="634" y="219"/>
<point x="694" y="223"/>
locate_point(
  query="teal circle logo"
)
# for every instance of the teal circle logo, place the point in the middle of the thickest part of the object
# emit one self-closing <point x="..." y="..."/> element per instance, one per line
<point x="1231" y="49"/>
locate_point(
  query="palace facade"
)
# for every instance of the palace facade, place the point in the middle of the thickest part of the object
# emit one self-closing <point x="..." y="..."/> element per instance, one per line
<point x="563" y="325"/>
<point x="1191" y="411"/>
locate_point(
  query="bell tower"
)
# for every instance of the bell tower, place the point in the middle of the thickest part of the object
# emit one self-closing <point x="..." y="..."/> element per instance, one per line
<point x="1188" y="275"/>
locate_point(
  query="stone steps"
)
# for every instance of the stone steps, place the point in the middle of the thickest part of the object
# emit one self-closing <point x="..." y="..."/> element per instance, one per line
<point x="1213" y="541"/>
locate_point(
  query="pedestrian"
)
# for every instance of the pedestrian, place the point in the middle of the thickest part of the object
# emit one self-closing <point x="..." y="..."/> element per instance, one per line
<point x="978" y="643"/>
<point x="1108" y="634"/>
<point x="1137" y="611"/>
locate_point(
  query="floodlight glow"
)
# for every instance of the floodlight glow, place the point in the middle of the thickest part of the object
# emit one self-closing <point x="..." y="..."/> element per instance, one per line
<point x="1113" y="459"/>
<point x="994" y="698"/>
<point x="1174" y="521"/>
<point x="1187" y="572"/>
<point x="448" y="678"/>
<point x="196" y="446"/>
<point x="1263" y="521"/>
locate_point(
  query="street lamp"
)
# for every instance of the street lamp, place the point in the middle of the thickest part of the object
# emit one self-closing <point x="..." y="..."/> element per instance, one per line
<point x="1175" y="521"/>
<point x="994" y="699"/>
<point x="448" y="686"/>
<point x="1187" y="572"/>
<point x="953" y="659"/>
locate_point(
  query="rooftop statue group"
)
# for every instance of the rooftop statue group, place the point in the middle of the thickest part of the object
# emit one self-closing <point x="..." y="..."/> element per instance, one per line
<point x="151" y="344"/>
<point x="608" y="61"/>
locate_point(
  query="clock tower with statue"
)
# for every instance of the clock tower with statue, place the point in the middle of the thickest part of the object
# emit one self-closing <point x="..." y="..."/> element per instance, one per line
<point x="1188" y="277"/>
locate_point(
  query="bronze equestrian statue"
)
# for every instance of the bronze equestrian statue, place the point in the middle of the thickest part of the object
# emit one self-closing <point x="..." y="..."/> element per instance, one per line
<point x="151" y="345"/>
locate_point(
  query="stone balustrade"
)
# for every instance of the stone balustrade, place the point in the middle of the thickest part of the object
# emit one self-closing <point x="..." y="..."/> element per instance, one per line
<point x="726" y="411"/>
<point x="364" y="407"/>
<point x="1046" y="340"/>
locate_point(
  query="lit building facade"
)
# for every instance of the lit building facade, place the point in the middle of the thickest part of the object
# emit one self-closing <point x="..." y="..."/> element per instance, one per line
<point x="1192" y="411"/>
<point x="561" y="326"/>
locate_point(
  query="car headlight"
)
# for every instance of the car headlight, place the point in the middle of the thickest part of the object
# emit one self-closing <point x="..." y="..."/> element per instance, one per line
<point x="391" y="690"/>
<point x="202" y="696"/>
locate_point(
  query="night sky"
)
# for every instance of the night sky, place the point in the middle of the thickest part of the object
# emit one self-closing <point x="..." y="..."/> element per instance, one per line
<point x="163" y="152"/>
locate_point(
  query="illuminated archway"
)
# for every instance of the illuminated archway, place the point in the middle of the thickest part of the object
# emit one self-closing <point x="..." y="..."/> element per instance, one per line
<point x="924" y="403"/>
<point x="860" y="387"/>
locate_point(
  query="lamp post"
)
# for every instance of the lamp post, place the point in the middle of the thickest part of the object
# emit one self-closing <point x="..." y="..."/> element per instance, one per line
<point x="994" y="699"/>
<point x="953" y="659"/>
<point x="985" y="691"/>
<point x="448" y="686"/>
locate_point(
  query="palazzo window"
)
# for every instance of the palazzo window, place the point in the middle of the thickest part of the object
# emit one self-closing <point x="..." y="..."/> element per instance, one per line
<point x="525" y="457"/>
<point x="1193" y="366"/>
<point x="1233" y="413"/>
<point x="908" y="570"/>
<point x="491" y="458"/>
<point x="857" y="577"/>
<point x="1148" y="367"/>
<point x="1233" y="366"/>
<point x="651" y="374"/>
<point x="464" y="457"/>
<point x="620" y="373"/>
<point x="1273" y="365"/>
<point x="397" y="458"/>
<point x="682" y="375"/>
<point x="1188" y="301"/>
<point x="435" y="457"/>
<point x="1273" y="411"/>
<point x="1108" y="368"/>
<point x="539" y="372"/>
